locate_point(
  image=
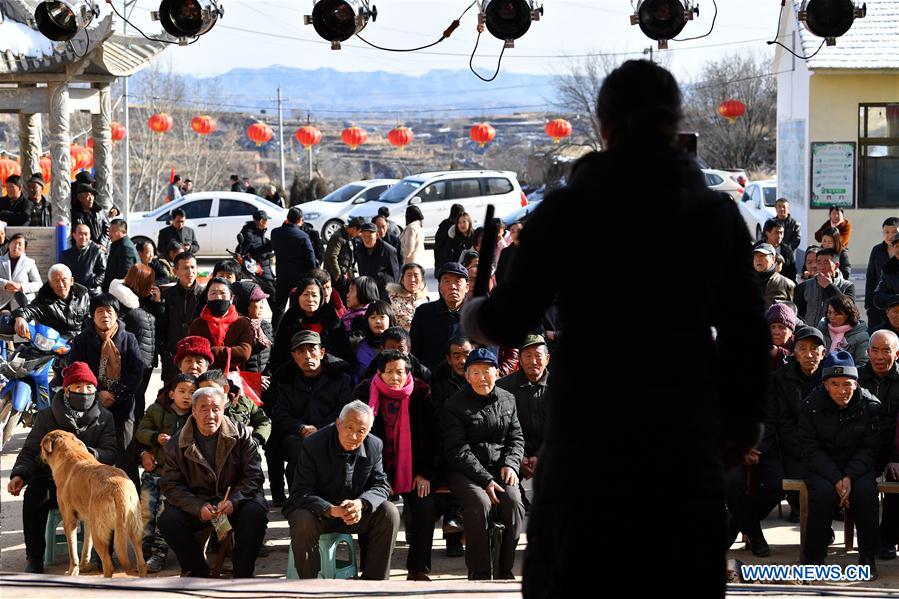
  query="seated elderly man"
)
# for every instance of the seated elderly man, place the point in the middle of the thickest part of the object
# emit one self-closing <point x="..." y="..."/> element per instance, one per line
<point x="840" y="435"/>
<point x="75" y="409"/>
<point x="340" y="486"/>
<point x="61" y="304"/>
<point x="208" y="456"/>
<point x="484" y="448"/>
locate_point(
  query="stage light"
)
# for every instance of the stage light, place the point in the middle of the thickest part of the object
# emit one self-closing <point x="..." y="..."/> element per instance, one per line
<point x="830" y="18"/>
<point x="185" y="19"/>
<point x="339" y="20"/>
<point x="508" y="20"/>
<point x="61" y="20"/>
<point x="663" y="20"/>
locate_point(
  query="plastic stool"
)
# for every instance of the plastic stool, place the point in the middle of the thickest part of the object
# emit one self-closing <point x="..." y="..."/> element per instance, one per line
<point x="330" y="567"/>
<point x="56" y="543"/>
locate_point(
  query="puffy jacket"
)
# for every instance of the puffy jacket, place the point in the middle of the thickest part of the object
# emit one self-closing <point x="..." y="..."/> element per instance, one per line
<point x="138" y="321"/>
<point x="318" y="402"/>
<point x="122" y="256"/>
<point x="189" y="482"/>
<point x="887" y="391"/>
<point x="482" y="434"/>
<point x="95" y="220"/>
<point x="261" y="355"/>
<point x="95" y="429"/>
<point x="244" y="411"/>
<point x="252" y="241"/>
<point x="855" y="341"/>
<point x="838" y="442"/>
<point x="67" y="316"/>
<point x="530" y="401"/>
<point x="158" y="420"/>
<point x="88" y="266"/>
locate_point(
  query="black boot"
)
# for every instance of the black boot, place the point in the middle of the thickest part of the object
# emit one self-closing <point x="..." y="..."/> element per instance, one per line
<point x="34" y="565"/>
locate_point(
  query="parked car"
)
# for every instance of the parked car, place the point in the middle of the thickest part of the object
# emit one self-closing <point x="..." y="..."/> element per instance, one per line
<point x="757" y="205"/>
<point x="226" y="211"/>
<point x="522" y="214"/>
<point x="725" y="181"/>
<point x="436" y="192"/>
<point x="328" y="214"/>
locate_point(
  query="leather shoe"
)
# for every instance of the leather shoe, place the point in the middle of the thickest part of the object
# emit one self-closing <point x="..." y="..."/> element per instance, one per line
<point x="418" y="576"/>
<point x="887" y="553"/>
<point x="759" y="546"/>
<point x="35" y="565"/>
<point x="454" y="548"/>
<point x="505" y="575"/>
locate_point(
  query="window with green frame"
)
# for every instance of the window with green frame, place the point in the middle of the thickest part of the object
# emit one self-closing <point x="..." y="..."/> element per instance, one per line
<point x="878" y="155"/>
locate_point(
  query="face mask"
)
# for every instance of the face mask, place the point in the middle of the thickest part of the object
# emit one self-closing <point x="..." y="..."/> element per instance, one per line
<point x="80" y="402"/>
<point x="218" y="307"/>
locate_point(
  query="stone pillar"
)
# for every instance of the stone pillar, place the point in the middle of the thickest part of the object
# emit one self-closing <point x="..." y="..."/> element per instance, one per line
<point x="60" y="139"/>
<point x="30" y="144"/>
<point x="101" y="125"/>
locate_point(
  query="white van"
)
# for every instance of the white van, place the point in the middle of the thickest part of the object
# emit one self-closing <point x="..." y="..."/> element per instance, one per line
<point x="328" y="214"/>
<point x="436" y="192"/>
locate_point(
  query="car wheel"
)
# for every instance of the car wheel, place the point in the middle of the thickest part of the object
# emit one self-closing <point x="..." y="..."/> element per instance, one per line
<point x="331" y="227"/>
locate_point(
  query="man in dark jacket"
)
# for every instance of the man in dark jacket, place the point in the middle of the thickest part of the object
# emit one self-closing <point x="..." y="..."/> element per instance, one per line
<point x="180" y="305"/>
<point x="705" y="420"/>
<point x="122" y="253"/>
<point x="340" y="259"/>
<point x="295" y="257"/>
<point x="880" y="253"/>
<point x="61" y="304"/>
<point x="318" y="246"/>
<point x="792" y="231"/>
<point x="437" y="322"/>
<point x="85" y="259"/>
<point x="310" y="395"/>
<point x="888" y="285"/>
<point x="15" y="210"/>
<point x="376" y="258"/>
<point x="120" y="369"/>
<point x="85" y="210"/>
<point x="840" y="435"/>
<point x="75" y="409"/>
<point x="880" y="376"/>
<point x="441" y="239"/>
<point x="207" y="456"/>
<point x="827" y="283"/>
<point x="180" y="232"/>
<point x="484" y="446"/>
<point x="340" y="486"/>
<point x="41" y="208"/>
<point x="385" y="233"/>
<point x="251" y="241"/>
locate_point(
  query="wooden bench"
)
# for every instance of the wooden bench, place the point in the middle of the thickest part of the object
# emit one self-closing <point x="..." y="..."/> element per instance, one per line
<point x="791" y="484"/>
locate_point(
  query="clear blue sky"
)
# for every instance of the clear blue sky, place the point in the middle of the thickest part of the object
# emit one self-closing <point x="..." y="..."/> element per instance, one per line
<point x="257" y="33"/>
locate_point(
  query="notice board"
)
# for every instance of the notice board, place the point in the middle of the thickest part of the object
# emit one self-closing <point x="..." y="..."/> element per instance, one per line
<point x="833" y="174"/>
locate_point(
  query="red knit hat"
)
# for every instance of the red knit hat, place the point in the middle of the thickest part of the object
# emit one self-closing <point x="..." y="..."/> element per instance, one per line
<point x="193" y="345"/>
<point x="78" y="372"/>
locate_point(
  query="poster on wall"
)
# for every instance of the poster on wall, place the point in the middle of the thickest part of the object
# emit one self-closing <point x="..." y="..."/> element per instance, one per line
<point x="791" y="161"/>
<point x="45" y="244"/>
<point x="833" y="174"/>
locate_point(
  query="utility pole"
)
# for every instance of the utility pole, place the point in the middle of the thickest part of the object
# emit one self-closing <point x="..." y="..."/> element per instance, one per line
<point x="281" y="137"/>
<point x="126" y="172"/>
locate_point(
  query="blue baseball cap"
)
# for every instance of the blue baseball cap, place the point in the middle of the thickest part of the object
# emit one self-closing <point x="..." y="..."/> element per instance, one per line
<point x="482" y="355"/>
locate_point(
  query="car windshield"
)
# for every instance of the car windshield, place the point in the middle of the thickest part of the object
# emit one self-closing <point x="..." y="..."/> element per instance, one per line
<point x="168" y="207"/>
<point x="343" y="194"/>
<point x="770" y="196"/>
<point x="398" y="192"/>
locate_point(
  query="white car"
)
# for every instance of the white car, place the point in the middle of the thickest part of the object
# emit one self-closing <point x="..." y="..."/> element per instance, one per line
<point x="328" y="214"/>
<point x="435" y="193"/>
<point x="215" y="216"/>
<point x="757" y="205"/>
<point x="725" y="181"/>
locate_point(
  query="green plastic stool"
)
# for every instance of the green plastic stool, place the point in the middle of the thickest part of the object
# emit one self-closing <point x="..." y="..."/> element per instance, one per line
<point x="56" y="542"/>
<point x="330" y="567"/>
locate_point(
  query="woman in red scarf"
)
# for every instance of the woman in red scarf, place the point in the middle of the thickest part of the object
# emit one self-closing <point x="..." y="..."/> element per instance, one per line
<point x="407" y="423"/>
<point x="229" y="333"/>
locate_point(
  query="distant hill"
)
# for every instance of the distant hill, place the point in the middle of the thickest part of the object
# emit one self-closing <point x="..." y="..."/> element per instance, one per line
<point x="437" y="93"/>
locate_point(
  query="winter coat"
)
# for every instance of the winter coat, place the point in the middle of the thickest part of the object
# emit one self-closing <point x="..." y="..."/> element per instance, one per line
<point x="238" y="339"/>
<point x="787" y="392"/>
<point x="482" y="434"/>
<point x="792" y="232"/>
<point x="95" y="220"/>
<point x="812" y="303"/>
<point x="26" y="274"/>
<point x="318" y="246"/>
<point x="138" y="321"/>
<point x="185" y="236"/>
<point x="318" y="402"/>
<point x="441" y="245"/>
<point x="321" y="481"/>
<point x="340" y="259"/>
<point x="41" y="214"/>
<point x="294" y="255"/>
<point x="243" y="410"/>
<point x="404" y="303"/>
<point x="86" y="348"/>
<point x="530" y="402"/>
<point x="839" y="442"/>
<point x="67" y="315"/>
<point x="88" y="266"/>
<point x="444" y="384"/>
<point x="432" y="327"/>
<point x="95" y="429"/>
<point x="252" y="242"/>
<point x="888" y="286"/>
<point x="776" y="288"/>
<point x="845" y="229"/>
<point x="855" y="341"/>
<point x="325" y="322"/>
<point x="380" y="263"/>
<point x="15" y="214"/>
<point x="457" y="243"/>
<point x="413" y="242"/>
<point x="158" y="420"/>
<point x="189" y="482"/>
<point x="259" y="358"/>
<point x="122" y="256"/>
<point x="179" y="307"/>
<point x="876" y="262"/>
<point x="887" y="391"/>
<point x="845" y="264"/>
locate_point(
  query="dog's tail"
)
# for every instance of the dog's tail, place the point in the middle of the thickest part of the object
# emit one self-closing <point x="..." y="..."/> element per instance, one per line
<point x="129" y="525"/>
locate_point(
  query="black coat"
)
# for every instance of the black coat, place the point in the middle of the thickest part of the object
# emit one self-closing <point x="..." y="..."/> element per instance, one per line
<point x="840" y="442"/>
<point x="340" y="260"/>
<point x="122" y="256"/>
<point x="432" y="327"/>
<point x="95" y="220"/>
<point x="86" y="348"/>
<point x="792" y="232"/>
<point x="317" y="402"/>
<point x="379" y="263"/>
<point x="179" y="308"/>
<point x="67" y="316"/>
<point x="530" y="401"/>
<point x="294" y="254"/>
<point x="456" y="243"/>
<point x="876" y="262"/>
<point x="318" y="246"/>
<point x="88" y="266"/>
<point x="42" y="214"/>
<point x="395" y="242"/>
<point x="333" y="335"/>
<point x="95" y="429"/>
<point x="787" y="391"/>
<point x="888" y="286"/>
<point x="139" y="316"/>
<point x="185" y="236"/>
<point x="423" y="423"/>
<point x="251" y="241"/>
<point x="482" y="434"/>
<point x="887" y="391"/>
<point x="320" y="479"/>
<point x="444" y="384"/>
<point x="441" y="249"/>
<point x="259" y="358"/>
<point x="15" y="214"/>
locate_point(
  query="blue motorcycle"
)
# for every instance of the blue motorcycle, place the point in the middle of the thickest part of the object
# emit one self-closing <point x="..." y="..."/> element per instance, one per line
<point x="27" y="372"/>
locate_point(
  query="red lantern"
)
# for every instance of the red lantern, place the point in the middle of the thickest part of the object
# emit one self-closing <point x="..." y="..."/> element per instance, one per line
<point x="557" y="129"/>
<point x="354" y="137"/>
<point x="88" y="157"/>
<point x="160" y="123"/>
<point x="731" y="110"/>
<point x="400" y="137"/>
<point x="80" y="159"/>
<point x="90" y="142"/>
<point x="118" y="131"/>
<point x="482" y="133"/>
<point x="203" y="125"/>
<point x="8" y="167"/>
<point x="46" y="168"/>
<point x="259" y="133"/>
<point x="308" y="136"/>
